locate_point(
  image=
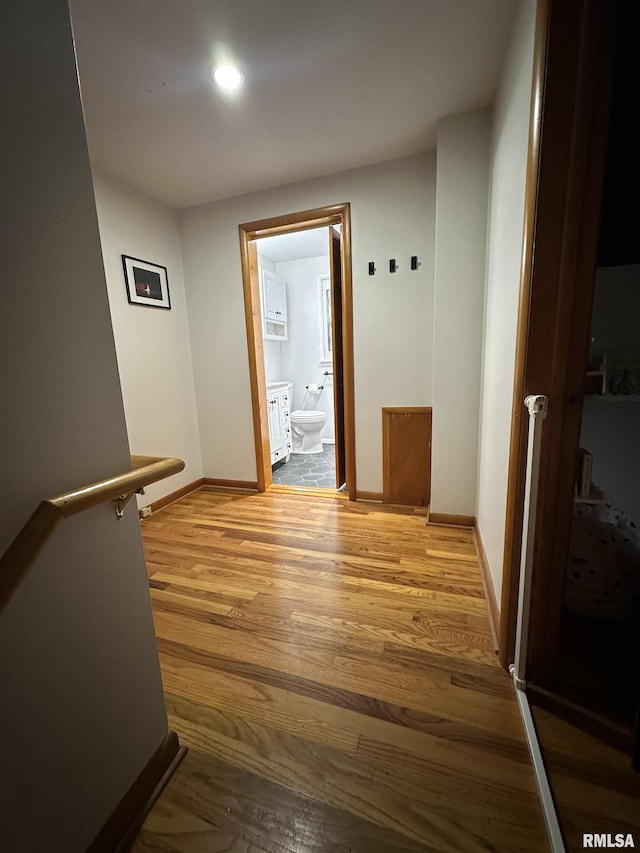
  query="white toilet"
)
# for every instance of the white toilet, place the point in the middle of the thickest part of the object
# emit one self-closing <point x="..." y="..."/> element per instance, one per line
<point x="306" y="426"/>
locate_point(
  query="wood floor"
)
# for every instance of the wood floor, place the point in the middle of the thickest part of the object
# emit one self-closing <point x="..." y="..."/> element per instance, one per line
<point x="330" y="667"/>
<point x="594" y="787"/>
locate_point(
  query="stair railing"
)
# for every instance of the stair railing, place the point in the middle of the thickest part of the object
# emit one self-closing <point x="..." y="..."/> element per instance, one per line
<point x="27" y="545"/>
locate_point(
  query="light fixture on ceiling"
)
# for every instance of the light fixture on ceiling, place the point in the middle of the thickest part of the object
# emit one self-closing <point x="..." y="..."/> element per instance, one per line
<point x="228" y="77"/>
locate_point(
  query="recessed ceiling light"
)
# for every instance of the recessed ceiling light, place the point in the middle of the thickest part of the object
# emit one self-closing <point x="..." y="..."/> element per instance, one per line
<point x="228" y="77"/>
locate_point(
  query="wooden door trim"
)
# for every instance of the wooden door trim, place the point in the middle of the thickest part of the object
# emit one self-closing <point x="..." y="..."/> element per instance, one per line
<point x="347" y="355"/>
<point x="316" y="217"/>
<point x="337" y="357"/>
<point x="564" y="185"/>
<point x="337" y="214"/>
<point x="517" y="443"/>
<point x="255" y="346"/>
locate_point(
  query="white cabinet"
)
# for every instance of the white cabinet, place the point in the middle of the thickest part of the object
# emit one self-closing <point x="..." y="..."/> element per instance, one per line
<point x="278" y="406"/>
<point x="280" y="296"/>
<point x="276" y="437"/>
<point x="273" y="294"/>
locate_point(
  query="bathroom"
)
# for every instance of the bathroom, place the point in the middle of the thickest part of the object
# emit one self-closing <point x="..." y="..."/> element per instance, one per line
<point x="296" y="308"/>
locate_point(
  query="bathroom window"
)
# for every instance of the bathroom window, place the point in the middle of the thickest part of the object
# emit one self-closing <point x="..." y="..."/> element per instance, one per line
<point x="325" y="299"/>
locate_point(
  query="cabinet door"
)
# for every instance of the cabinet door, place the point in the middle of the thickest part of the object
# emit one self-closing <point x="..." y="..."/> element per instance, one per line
<point x="269" y="295"/>
<point x="281" y="300"/>
<point x="285" y="420"/>
<point x="287" y="440"/>
<point x="275" y="424"/>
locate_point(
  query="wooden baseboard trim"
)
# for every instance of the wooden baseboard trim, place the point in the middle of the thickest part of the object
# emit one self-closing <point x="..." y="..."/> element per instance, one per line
<point x="175" y="496"/>
<point x="369" y="496"/>
<point x="120" y="830"/>
<point x="489" y="591"/>
<point x="596" y="725"/>
<point x="240" y="485"/>
<point x="452" y="520"/>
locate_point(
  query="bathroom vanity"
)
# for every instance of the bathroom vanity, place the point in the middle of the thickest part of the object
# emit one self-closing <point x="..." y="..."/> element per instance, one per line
<point x="278" y="406"/>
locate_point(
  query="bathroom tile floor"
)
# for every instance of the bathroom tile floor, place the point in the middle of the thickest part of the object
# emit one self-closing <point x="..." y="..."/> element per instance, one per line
<point x="315" y="470"/>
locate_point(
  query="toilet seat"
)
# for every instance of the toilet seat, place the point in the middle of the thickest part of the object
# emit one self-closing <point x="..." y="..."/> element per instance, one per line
<point x="308" y="415"/>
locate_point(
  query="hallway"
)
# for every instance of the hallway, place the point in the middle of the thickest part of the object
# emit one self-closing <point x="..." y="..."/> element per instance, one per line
<point x="330" y="666"/>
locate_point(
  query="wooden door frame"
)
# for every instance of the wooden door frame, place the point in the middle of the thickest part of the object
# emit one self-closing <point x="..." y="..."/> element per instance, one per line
<point x="337" y="353"/>
<point x="336" y="214"/>
<point x="567" y="148"/>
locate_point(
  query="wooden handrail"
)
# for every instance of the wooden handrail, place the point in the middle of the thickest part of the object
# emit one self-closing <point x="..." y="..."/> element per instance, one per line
<point x="24" y="549"/>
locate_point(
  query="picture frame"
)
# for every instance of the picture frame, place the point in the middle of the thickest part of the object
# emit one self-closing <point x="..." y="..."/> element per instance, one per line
<point x="146" y="283"/>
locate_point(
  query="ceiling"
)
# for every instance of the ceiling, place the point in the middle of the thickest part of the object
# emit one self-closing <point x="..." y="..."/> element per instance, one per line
<point x="330" y="86"/>
<point x="313" y="243"/>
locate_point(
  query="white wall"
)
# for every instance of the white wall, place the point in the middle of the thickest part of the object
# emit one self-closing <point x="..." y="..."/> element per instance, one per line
<point x="302" y="352"/>
<point x="82" y="709"/>
<point x="152" y="344"/>
<point x="461" y="226"/>
<point x="510" y="135"/>
<point x="273" y="369"/>
<point x="611" y="425"/>
<point x="393" y="216"/>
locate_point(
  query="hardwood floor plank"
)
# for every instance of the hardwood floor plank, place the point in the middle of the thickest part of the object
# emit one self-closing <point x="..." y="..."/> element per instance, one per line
<point x="280" y="597"/>
<point x="407" y="722"/>
<point x="258" y="702"/>
<point x="500" y="787"/>
<point x="330" y="666"/>
<point x="294" y="578"/>
<point x="204" y="605"/>
<point x="483" y="683"/>
<point x="352" y="717"/>
<point x="431" y="817"/>
<point x="596" y="789"/>
<point x="391" y="606"/>
<point x="172" y="827"/>
<point x="441" y="639"/>
<point x="270" y="627"/>
<point x="425" y="692"/>
<point x="242" y="803"/>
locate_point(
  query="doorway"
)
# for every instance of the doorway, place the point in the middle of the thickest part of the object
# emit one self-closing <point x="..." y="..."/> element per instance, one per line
<point x="577" y="47"/>
<point x="598" y="634"/>
<point x="332" y="372"/>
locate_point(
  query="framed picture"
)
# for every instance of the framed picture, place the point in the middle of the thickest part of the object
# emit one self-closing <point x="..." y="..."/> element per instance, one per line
<point x="146" y="283"/>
